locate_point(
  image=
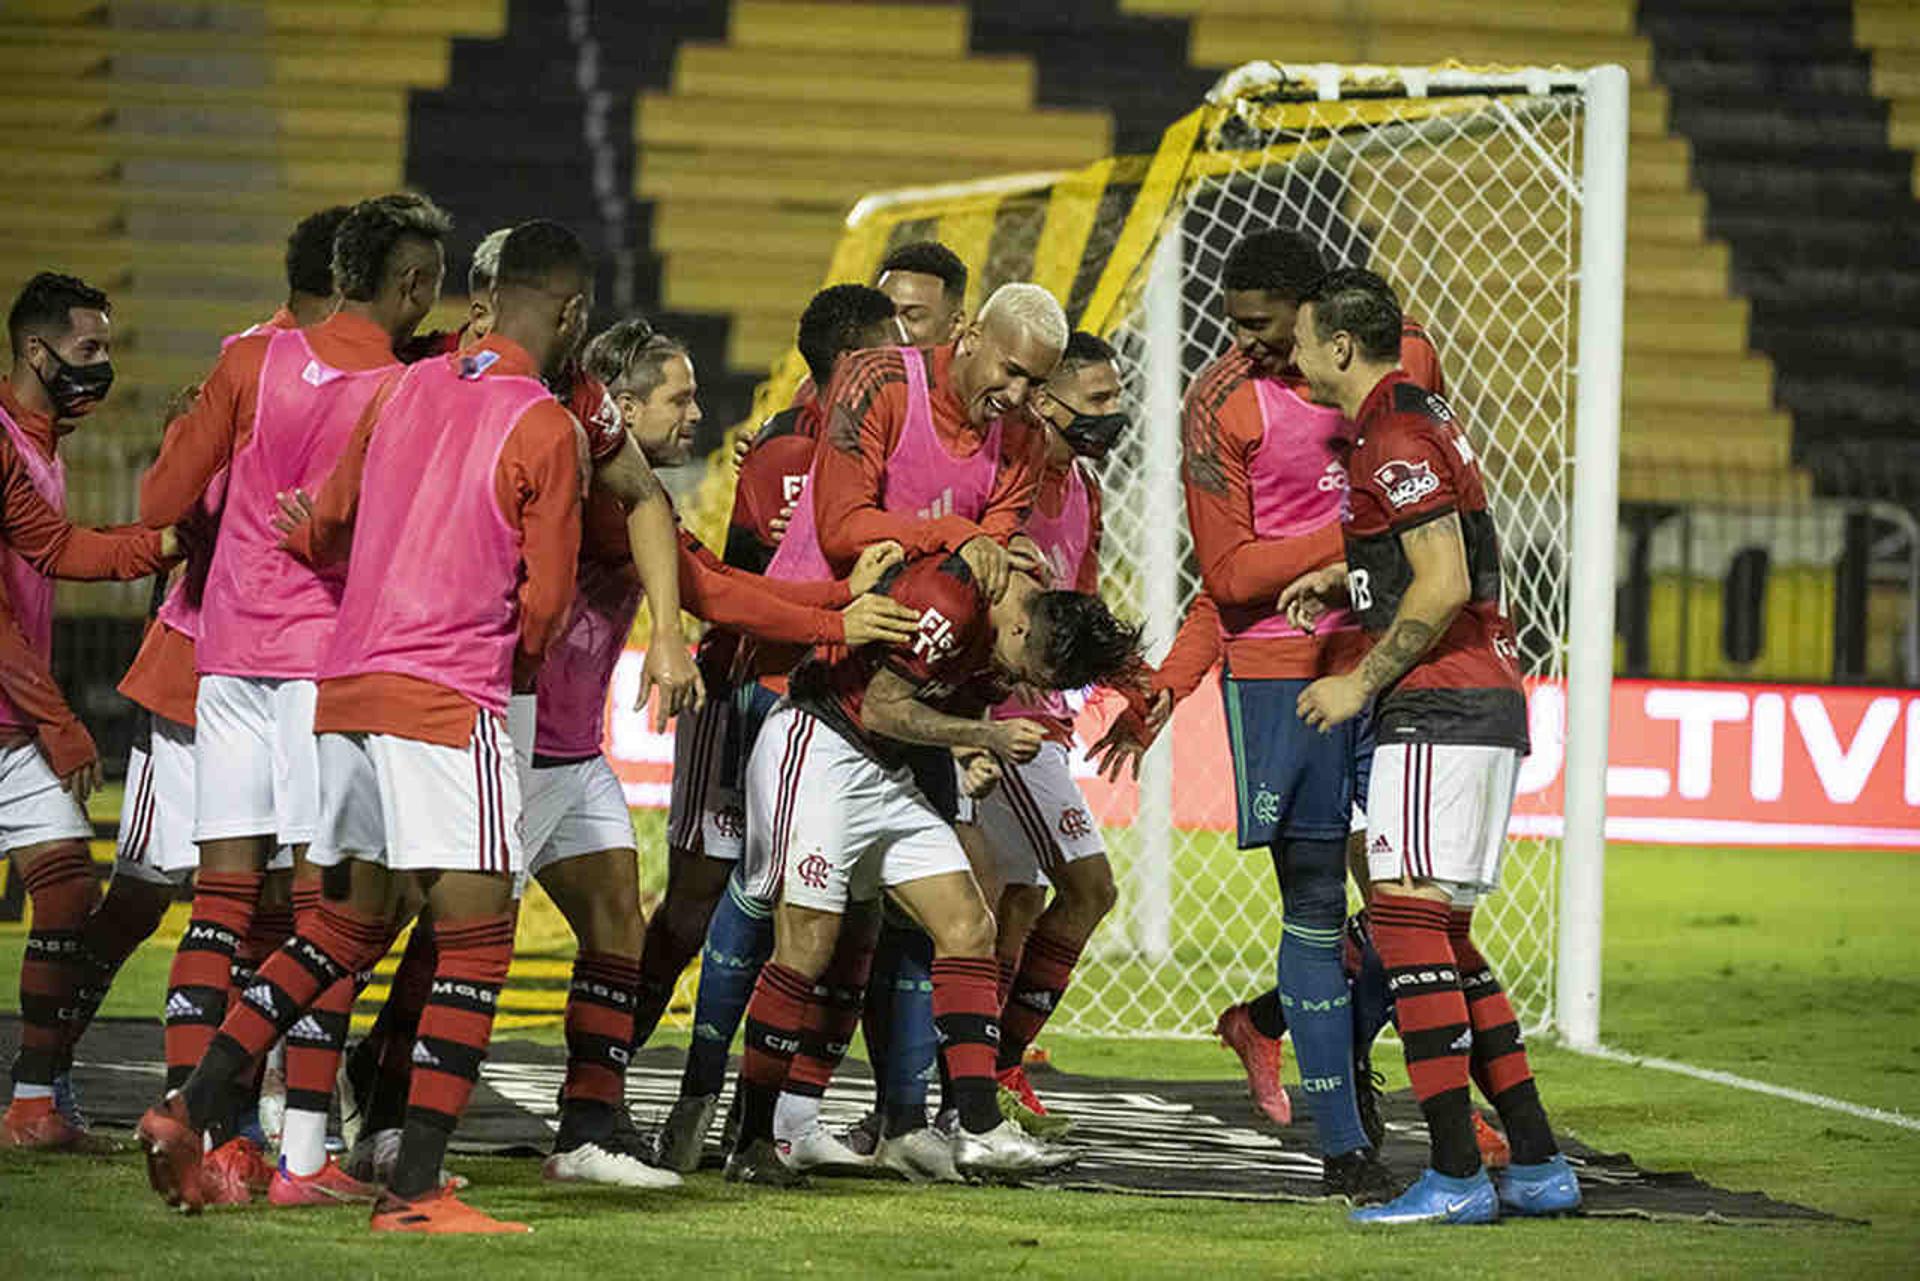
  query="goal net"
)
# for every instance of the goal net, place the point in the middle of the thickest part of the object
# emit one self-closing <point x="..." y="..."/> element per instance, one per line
<point x="1462" y="187"/>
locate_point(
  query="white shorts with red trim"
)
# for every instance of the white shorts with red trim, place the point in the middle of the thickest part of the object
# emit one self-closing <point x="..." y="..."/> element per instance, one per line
<point x="706" y="811"/>
<point x="156" y="811"/>
<point x="416" y="807"/>
<point x="837" y="825"/>
<point x="1036" y="820"/>
<point x="34" y="808"/>
<point x="1438" y="812"/>
<point x="573" y="809"/>
<point x="256" y="763"/>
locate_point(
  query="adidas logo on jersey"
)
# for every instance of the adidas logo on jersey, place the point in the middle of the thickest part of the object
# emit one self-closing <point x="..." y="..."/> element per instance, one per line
<point x="941" y="506"/>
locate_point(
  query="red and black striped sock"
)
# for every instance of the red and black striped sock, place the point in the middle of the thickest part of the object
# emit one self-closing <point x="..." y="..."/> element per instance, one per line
<point x="390" y="1043"/>
<point x="838" y="999"/>
<point x="1046" y="968"/>
<point x="339" y="943"/>
<point x="1411" y="935"/>
<point x="121" y="923"/>
<point x="315" y="1041"/>
<point x="600" y="1005"/>
<point x="966" y="1013"/>
<point x="1499" y="1063"/>
<point x="779" y="1010"/>
<point x="456" y="1027"/>
<point x="202" y="973"/>
<point x="60" y="886"/>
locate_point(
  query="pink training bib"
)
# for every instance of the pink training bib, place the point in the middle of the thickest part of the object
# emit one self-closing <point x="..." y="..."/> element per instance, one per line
<point x="433" y="587"/>
<point x="1065" y="540"/>
<point x="572" y="690"/>
<point x="266" y="613"/>
<point x="921" y="478"/>
<point x="31" y="591"/>
<point x="1298" y="487"/>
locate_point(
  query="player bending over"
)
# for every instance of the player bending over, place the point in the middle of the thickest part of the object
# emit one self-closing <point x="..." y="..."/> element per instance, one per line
<point x="831" y="796"/>
<point x="1422" y="571"/>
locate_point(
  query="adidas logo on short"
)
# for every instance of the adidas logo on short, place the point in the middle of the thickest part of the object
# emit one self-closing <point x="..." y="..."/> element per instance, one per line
<point x="1381" y="845"/>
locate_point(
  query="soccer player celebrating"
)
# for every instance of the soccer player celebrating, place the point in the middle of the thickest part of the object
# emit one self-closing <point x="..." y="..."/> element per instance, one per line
<point x="928" y="285"/>
<point x="833" y="798"/>
<point x="707" y="879"/>
<point x="155" y="851"/>
<point x="274" y="416"/>
<point x="706" y="811"/>
<point x="1422" y="572"/>
<point x="456" y="589"/>
<point x="579" y="832"/>
<point x="1036" y="821"/>
<point x="1264" y="494"/>
<point x="59" y="328"/>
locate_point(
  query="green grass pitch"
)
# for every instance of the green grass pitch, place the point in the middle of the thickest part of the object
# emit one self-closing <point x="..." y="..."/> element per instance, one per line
<point x="1792" y="967"/>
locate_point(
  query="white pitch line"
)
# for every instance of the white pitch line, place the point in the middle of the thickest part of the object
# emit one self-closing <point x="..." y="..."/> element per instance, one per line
<point x="1860" y="1110"/>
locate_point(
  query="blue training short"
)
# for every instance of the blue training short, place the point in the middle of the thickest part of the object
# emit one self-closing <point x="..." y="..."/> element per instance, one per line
<point x="1290" y="779"/>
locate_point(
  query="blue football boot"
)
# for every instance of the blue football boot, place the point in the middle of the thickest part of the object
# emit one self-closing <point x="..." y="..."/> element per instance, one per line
<point x="1437" y="1198"/>
<point x="1544" y="1189"/>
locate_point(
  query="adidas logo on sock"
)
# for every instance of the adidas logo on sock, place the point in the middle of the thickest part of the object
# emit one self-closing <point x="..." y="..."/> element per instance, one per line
<point x="260" y="996"/>
<point x="307" y="1029"/>
<point x="181" y="1006"/>
<point x="423" y="1057"/>
<point x="1462" y="1043"/>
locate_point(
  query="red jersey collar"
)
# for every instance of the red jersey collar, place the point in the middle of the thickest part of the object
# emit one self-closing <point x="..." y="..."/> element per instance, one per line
<point x="1377" y="401"/>
<point x="351" y="330"/>
<point x="38" y="426"/>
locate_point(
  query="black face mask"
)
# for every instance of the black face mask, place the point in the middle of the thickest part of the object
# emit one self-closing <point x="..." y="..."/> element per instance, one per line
<point x="72" y="385"/>
<point x="1092" y="435"/>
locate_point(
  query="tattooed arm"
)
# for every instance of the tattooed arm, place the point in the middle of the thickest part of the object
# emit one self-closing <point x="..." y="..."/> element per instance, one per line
<point x="1437" y="554"/>
<point x="892" y="709"/>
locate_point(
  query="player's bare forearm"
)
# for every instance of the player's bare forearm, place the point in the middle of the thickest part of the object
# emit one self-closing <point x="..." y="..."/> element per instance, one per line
<point x="1438" y="556"/>
<point x="654" y="538"/>
<point x="891" y="710"/>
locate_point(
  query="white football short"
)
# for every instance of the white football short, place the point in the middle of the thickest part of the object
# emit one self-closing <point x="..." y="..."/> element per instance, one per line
<point x="156" y="812"/>
<point x="706" y="810"/>
<point x="34" y="808"/>
<point x="1037" y="819"/>
<point x="256" y="761"/>
<point x="1438" y="812"/>
<point x="573" y="809"/>
<point x="416" y="807"/>
<point x="837" y="825"/>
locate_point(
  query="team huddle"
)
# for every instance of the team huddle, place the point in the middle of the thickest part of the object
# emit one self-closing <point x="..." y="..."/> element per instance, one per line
<point x="404" y="566"/>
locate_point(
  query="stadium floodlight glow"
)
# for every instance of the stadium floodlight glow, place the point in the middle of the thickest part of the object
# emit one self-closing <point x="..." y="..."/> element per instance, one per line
<point x="1494" y="199"/>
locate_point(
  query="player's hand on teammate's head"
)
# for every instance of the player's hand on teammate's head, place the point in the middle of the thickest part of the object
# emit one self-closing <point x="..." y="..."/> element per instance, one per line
<point x="1026" y="557"/>
<point x="1019" y="739"/>
<point x="991" y="565"/>
<point x="872" y="619"/>
<point x="1331" y="701"/>
<point x="672" y="670"/>
<point x="876" y="560"/>
<point x="296" y="509"/>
